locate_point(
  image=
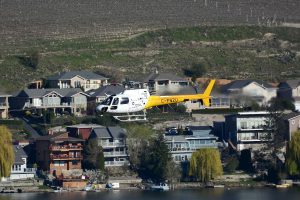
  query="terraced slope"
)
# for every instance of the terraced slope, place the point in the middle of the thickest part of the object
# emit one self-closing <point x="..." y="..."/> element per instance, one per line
<point x="25" y="19"/>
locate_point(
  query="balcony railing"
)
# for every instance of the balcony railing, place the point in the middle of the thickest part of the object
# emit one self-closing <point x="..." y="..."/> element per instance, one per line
<point x="192" y="148"/>
<point x="65" y="148"/>
<point x="65" y="157"/>
<point x="114" y="153"/>
<point x="43" y="105"/>
<point x="25" y="171"/>
<point x="112" y="144"/>
<point x="116" y="163"/>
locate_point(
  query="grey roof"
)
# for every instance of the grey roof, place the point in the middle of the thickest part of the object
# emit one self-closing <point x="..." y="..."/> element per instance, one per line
<point x="19" y="154"/>
<point x="164" y="76"/>
<point x="3" y="94"/>
<point x="84" y="74"/>
<point x="106" y="90"/>
<point x="65" y="92"/>
<point x="201" y="131"/>
<point x="116" y="131"/>
<point x="84" y="126"/>
<point x="199" y="128"/>
<point x="290" y="115"/>
<point x="175" y="138"/>
<point x="109" y="132"/>
<point x="186" y="138"/>
<point x="101" y="132"/>
<point x="239" y="84"/>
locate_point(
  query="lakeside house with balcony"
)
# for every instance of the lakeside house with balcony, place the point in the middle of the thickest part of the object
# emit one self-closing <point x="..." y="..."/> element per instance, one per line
<point x="247" y="130"/>
<point x="244" y="92"/>
<point x="182" y="146"/>
<point x="4" y="105"/>
<point x="58" y="153"/>
<point x="85" y="80"/>
<point x="19" y="169"/>
<point x="113" y="142"/>
<point x="71" y="100"/>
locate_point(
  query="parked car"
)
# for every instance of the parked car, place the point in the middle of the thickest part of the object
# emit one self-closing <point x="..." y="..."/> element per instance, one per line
<point x="171" y="131"/>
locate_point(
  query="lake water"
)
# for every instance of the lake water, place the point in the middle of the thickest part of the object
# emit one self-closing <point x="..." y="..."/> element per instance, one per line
<point x="200" y="194"/>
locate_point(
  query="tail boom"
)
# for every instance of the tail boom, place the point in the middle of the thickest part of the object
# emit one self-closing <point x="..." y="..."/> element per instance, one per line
<point x="164" y="100"/>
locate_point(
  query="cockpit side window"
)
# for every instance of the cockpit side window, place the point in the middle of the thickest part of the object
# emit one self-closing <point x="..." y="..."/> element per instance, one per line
<point x="107" y="101"/>
<point x="124" y="100"/>
<point x="116" y="101"/>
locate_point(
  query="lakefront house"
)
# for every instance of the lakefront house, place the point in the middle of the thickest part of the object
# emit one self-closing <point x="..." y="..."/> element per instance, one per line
<point x="59" y="153"/>
<point x="112" y="139"/>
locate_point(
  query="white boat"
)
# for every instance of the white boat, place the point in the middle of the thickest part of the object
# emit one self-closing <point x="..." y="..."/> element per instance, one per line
<point x="88" y="187"/>
<point x="57" y="189"/>
<point x="160" y="187"/>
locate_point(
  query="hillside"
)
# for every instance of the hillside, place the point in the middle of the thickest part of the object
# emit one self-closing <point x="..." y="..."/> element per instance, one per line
<point x="227" y="52"/>
<point x="23" y="20"/>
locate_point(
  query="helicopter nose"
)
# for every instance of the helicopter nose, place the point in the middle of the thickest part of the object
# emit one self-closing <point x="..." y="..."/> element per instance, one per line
<point x="101" y="108"/>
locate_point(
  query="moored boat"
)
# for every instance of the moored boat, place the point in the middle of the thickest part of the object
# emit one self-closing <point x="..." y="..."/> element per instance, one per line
<point x="160" y="187"/>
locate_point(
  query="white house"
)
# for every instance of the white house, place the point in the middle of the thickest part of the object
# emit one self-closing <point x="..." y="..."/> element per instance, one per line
<point x="19" y="169"/>
<point x="113" y="141"/>
<point x="76" y="79"/>
<point x="245" y="91"/>
<point x="247" y="130"/>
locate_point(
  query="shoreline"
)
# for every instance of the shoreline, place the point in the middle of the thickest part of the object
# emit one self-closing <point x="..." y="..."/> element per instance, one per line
<point x="177" y="186"/>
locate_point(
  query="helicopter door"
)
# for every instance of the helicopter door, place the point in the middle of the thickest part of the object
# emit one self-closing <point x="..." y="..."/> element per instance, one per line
<point x="114" y="104"/>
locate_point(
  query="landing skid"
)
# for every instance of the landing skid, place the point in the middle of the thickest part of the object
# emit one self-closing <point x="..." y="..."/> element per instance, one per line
<point x="133" y="117"/>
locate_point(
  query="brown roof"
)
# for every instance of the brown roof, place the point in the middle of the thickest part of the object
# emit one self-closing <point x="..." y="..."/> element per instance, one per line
<point x="60" y="137"/>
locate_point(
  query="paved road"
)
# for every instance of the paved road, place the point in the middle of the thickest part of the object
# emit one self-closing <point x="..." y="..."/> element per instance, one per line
<point x="28" y="128"/>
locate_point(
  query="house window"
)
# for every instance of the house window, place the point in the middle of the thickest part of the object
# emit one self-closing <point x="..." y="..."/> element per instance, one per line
<point x="243" y="125"/>
<point x="77" y="84"/>
<point x="59" y="163"/>
<point x="74" y="162"/>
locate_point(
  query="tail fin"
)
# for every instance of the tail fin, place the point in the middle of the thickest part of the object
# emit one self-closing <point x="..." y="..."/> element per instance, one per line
<point x="206" y="100"/>
<point x="209" y="88"/>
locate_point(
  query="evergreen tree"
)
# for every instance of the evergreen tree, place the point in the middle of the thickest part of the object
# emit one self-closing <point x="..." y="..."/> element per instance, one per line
<point x="6" y="152"/>
<point x="91" y="154"/>
<point x="293" y="155"/>
<point x="206" y="164"/>
<point x="100" y="161"/>
<point x="154" y="160"/>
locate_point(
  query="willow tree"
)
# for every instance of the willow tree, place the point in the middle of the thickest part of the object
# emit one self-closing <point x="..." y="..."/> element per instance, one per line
<point x="7" y="155"/>
<point x="293" y="155"/>
<point x="206" y="164"/>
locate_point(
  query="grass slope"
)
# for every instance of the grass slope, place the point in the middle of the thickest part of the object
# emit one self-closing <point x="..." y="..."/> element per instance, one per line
<point x="227" y="52"/>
